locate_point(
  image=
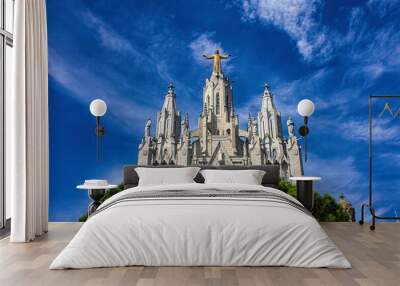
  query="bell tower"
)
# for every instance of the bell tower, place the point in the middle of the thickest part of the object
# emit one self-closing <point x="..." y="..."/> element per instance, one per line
<point x="168" y="129"/>
<point x="218" y="123"/>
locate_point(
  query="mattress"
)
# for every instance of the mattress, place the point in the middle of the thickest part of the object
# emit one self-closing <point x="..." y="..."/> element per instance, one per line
<point x="201" y="225"/>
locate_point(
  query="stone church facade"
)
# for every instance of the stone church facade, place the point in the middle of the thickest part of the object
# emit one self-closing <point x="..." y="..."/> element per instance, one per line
<point x="218" y="140"/>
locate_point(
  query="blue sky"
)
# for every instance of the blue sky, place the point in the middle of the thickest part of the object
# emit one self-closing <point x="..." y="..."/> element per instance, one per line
<point x="126" y="52"/>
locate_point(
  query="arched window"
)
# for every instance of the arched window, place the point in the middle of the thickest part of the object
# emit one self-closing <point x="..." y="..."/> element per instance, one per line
<point x="167" y="126"/>
<point x="271" y="128"/>
<point x="208" y="101"/>
<point x="217" y="104"/>
<point x="262" y="131"/>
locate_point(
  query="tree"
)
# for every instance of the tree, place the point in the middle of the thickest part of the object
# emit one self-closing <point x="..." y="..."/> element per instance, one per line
<point x="325" y="206"/>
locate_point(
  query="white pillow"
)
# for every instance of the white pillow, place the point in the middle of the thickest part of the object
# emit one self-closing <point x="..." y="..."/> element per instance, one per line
<point x="248" y="177"/>
<point x="166" y="176"/>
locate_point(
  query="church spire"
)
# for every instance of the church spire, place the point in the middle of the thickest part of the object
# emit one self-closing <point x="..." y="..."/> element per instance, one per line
<point x="267" y="103"/>
<point x="169" y="100"/>
<point x="266" y="90"/>
<point x="168" y="118"/>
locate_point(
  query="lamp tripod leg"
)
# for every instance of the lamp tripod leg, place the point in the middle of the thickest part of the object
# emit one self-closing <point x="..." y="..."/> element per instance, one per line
<point x="372" y="226"/>
<point x="361" y="221"/>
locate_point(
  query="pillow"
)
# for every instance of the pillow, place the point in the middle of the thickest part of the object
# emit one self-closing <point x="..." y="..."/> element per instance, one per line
<point x="166" y="176"/>
<point x="248" y="177"/>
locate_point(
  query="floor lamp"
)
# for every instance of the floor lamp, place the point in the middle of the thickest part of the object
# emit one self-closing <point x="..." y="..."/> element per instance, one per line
<point x="370" y="204"/>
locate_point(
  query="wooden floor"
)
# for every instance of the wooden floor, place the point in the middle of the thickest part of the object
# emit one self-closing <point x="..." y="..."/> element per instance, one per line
<point x="375" y="257"/>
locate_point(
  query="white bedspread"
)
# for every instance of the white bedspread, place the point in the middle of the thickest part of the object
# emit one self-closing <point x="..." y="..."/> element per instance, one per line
<point x="187" y="231"/>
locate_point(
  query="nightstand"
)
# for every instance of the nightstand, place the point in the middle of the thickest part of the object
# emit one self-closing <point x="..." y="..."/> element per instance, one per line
<point x="96" y="190"/>
<point x="305" y="191"/>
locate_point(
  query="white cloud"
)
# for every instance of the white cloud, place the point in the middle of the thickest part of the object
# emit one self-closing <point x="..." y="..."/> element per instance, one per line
<point x="394" y="157"/>
<point x="107" y="36"/>
<point x="298" y="18"/>
<point x="153" y="60"/>
<point x="204" y="44"/>
<point x="383" y="7"/>
<point x="126" y="113"/>
<point x="382" y="131"/>
<point x="123" y="111"/>
<point x="370" y="51"/>
<point x="335" y="180"/>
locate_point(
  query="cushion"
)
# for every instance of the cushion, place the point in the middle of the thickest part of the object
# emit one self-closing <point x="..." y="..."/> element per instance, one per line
<point x="166" y="176"/>
<point x="248" y="177"/>
<point x="271" y="177"/>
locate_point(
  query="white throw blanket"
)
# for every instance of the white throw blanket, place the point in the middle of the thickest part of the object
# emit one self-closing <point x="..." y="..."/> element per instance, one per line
<point x="208" y="224"/>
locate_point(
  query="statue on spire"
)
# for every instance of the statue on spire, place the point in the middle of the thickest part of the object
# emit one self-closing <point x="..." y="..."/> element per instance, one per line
<point x="171" y="88"/>
<point x="217" y="57"/>
<point x="266" y="90"/>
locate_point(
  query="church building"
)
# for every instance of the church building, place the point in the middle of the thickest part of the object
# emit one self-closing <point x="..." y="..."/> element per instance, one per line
<point x="218" y="140"/>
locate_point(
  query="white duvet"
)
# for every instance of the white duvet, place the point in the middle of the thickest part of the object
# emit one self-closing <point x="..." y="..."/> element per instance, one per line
<point x="203" y="231"/>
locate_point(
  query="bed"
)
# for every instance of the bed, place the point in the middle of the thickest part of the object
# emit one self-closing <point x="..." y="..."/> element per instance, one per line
<point x="198" y="224"/>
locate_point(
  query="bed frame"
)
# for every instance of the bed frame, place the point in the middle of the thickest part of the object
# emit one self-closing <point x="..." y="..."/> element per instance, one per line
<point x="270" y="179"/>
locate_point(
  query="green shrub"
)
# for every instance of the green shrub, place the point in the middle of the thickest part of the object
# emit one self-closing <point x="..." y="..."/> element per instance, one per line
<point x="327" y="209"/>
<point x="83" y="218"/>
<point x="325" y="206"/>
<point x="108" y="194"/>
<point x="288" y="188"/>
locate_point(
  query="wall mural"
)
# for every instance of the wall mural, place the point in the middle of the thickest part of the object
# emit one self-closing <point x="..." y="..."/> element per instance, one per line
<point x="129" y="57"/>
<point x="218" y="140"/>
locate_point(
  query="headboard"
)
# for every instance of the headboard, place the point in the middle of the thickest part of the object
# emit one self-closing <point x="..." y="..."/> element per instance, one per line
<point x="270" y="179"/>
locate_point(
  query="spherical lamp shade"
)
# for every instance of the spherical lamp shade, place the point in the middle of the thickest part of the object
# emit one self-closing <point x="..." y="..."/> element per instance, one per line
<point x="98" y="107"/>
<point x="305" y="108"/>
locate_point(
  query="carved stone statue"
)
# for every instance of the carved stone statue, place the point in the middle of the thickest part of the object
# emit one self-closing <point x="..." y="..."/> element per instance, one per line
<point x="290" y="125"/>
<point x="147" y="128"/>
<point x="184" y="129"/>
<point x="217" y="57"/>
<point x="254" y="128"/>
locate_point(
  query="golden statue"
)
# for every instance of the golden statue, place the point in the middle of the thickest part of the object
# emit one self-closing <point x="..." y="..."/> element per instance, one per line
<point x="217" y="57"/>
